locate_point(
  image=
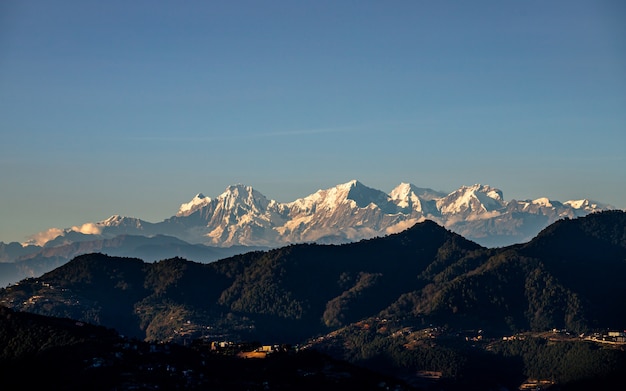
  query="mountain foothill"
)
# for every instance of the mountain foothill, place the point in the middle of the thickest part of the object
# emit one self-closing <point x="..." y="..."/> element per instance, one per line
<point x="367" y="301"/>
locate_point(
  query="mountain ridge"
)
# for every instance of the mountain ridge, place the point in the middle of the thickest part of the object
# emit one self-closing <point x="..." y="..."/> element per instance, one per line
<point x="23" y="262"/>
<point x="426" y="273"/>
<point x="347" y="212"/>
<point x="422" y="299"/>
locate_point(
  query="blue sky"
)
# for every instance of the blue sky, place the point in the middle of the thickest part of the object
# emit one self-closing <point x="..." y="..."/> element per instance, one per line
<point x="132" y="108"/>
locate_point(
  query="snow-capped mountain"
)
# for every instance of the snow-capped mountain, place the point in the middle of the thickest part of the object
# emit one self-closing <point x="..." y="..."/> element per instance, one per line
<point x="239" y="215"/>
<point x="411" y="198"/>
<point x="347" y="212"/>
<point x="199" y="201"/>
<point x="471" y="201"/>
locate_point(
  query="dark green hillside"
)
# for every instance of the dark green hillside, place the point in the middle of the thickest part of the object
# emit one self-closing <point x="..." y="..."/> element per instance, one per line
<point x="588" y="255"/>
<point x="570" y="276"/>
<point x="565" y="278"/>
<point x="608" y="227"/>
<point x="315" y="287"/>
<point x="577" y="365"/>
<point x="98" y="273"/>
<point x="94" y="288"/>
<point x="508" y="293"/>
<point x="402" y="303"/>
<point x="472" y="360"/>
<point x="289" y="293"/>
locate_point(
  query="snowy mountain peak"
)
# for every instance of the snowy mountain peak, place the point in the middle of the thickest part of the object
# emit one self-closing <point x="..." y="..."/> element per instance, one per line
<point x="578" y="204"/>
<point x="324" y="198"/>
<point x="346" y="188"/>
<point x="242" y="196"/>
<point x="491" y="192"/>
<point x="235" y="196"/>
<point x="477" y="198"/>
<point x="197" y="202"/>
<point x="401" y="191"/>
<point x="241" y="192"/>
<point x="587" y="205"/>
<point x="352" y="193"/>
<point x="543" y="201"/>
<point x="112" y="221"/>
<point x="364" y="196"/>
<point x="404" y="190"/>
<point x="238" y="188"/>
<point x="405" y="197"/>
<point x="350" y="184"/>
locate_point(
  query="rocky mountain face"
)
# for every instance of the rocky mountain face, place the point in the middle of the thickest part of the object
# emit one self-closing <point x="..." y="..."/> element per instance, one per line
<point x="344" y="213"/>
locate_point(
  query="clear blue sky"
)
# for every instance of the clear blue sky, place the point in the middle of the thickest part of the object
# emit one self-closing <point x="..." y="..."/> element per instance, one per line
<point x="133" y="107"/>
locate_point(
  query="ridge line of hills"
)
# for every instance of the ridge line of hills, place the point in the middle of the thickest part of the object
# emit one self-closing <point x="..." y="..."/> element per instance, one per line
<point x="365" y="301"/>
<point x="563" y="278"/>
<point x="242" y="219"/>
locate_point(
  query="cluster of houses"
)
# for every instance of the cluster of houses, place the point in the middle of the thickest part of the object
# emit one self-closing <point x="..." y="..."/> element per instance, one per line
<point x="616" y="337"/>
<point x="248" y="349"/>
<point x="611" y="337"/>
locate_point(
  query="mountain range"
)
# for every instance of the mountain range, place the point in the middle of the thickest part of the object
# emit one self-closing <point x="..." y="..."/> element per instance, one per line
<point x="566" y="277"/>
<point x="397" y="301"/>
<point x="344" y="213"/>
<point x="242" y="219"/>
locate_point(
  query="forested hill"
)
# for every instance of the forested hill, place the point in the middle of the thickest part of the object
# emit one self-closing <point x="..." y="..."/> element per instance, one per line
<point x="568" y="276"/>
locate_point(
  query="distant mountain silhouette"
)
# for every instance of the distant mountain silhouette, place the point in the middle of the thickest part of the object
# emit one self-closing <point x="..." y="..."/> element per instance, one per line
<point x="37" y="260"/>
